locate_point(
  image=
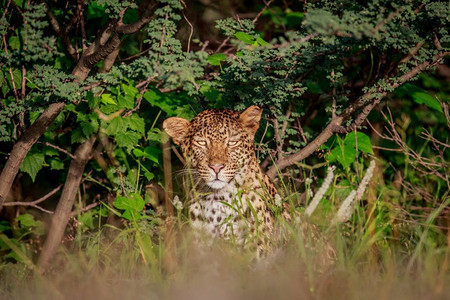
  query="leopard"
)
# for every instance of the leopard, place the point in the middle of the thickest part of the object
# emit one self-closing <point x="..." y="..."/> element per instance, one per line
<point x="232" y="198"/>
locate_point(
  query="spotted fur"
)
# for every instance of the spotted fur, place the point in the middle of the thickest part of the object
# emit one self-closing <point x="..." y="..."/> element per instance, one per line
<point x="231" y="199"/>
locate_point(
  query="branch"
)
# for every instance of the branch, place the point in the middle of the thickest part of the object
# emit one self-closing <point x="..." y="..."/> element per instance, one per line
<point x="143" y="20"/>
<point x="391" y="16"/>
<point x="36" y="202"/>
<point x="63" y="35"/>
<point x="110" y="59"/>
<point x="278" y="138"/>
<point x="412" y="52"/>
<point x="366" y="102"/>
<point x="190" y="33"/>
<point x="87" y="60"/>
<point x="308" y="150"/>
<point x="84" y="209"/>
<point x="58" y="148"/>
<point x="80" y="8"/>
<point x="90" y="60"/>
<point x="262" y="11"/>
<point x="105" y="45"/>
<point x="23" y="145"/>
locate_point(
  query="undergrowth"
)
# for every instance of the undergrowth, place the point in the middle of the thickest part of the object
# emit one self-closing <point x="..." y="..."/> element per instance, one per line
<point x="379" y="253"/>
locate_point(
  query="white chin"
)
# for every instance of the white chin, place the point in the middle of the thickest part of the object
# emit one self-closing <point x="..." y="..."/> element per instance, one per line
<point x="217" y="184"/>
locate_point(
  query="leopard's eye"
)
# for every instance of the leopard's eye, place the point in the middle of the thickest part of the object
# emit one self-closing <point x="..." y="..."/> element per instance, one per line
<point x="201" y="143"/>
<point x="233" y="143"/>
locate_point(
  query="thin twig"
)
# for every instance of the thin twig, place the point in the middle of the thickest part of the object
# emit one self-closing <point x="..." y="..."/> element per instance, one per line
<point x="80" y="8"/>
<point x="57" y="148"/>
<point x="262" y="11"/>
<point x="6" y="8"/>
<point x="177" y="153"/>
<point x="36" y="202"/>
<point x="138" y="102"/>
<point x="84" y="209"/>
<point x="190" y="34"/>
<point x="286" y="121"/>
<point x="134" y="56"/>
<point x="385" y="21"/>
<point x="278" y="138"/>
<point x="64" y="36"/>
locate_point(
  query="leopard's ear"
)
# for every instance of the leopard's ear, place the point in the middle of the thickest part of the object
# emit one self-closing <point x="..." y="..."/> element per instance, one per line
<point x="177" y="128"/>
<point x="250" y="118"/>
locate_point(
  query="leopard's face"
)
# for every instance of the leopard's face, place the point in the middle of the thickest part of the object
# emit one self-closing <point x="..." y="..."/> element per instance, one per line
<point x="217" y="144"/>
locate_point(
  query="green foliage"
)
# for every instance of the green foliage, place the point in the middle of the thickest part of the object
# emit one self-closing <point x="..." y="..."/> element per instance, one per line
<point x="131" y="205"/>
<point x="419" y="95"/>
<point x="28" y="224"/>
<point x="345" y="151"/>
<point x="32" y="163"/>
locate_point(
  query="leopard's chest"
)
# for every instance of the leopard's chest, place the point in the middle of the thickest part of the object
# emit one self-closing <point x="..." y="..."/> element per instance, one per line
<point x="218" y="214"/>
<point x="231" y="214"/>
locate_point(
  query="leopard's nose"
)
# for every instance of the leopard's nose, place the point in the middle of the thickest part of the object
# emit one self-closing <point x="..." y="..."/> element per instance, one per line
<point x="216" y="168"/>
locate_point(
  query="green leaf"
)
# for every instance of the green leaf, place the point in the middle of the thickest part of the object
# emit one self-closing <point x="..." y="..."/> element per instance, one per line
<point x="3" y="82"/>
<point x="126" y="101"/>
<point x="149" y="176"/>
<point x="215" y="59"/>
<point x="117" y="124"/>
<point x="130" y="90"/>
<point x="89" y="127"/>
<point x="93" y="101"/>
<point x="28" y="223"/>
<point x="244" y="37"/>
<point x="77" y="136"/>
<point x="56" y="164"/>
<point x="107" y="99"/>
<point x="131" y="205"/>
<point x="151" y="153"/>
<point x="17" y="75"/>
<point x="209" y="92"/>
<point x="49" y="151"/>
<point x="419" y="95"/>
<point x="87" y="219"/>
<point x="14" y="42"/>
<point x="32" y="164"/>
<point x="136" y="123"/>
<point x="157" y="135"/>
<point x="131" y="16"/>
<point x="425" y="98"/>
<point x="261" y="41"/>
<point x="343" y="188"/>
<point x="344" y="154"/>
<point x="127" y="139"/>
<point x="151" y="96"/>
<point x="294" y="18"/>
<point x="364" y="143"/>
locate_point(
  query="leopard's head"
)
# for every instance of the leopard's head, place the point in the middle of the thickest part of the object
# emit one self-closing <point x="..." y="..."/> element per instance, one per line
<point x="217" y="143"/>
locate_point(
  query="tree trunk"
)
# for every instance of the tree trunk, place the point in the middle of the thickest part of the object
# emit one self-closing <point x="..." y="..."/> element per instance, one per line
<point x="23" y="145"/>
<point x="64" y="208"/>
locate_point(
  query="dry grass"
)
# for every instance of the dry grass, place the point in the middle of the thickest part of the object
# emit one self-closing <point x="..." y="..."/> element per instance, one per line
<point x="129" y="266"/>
